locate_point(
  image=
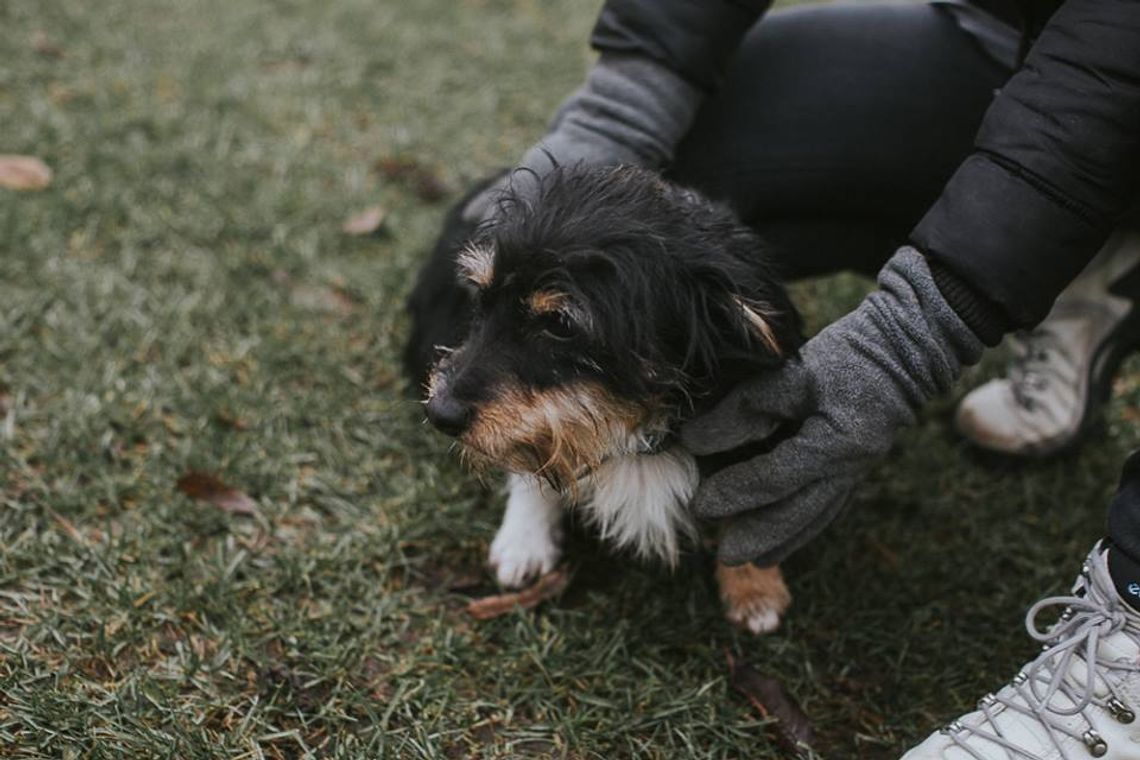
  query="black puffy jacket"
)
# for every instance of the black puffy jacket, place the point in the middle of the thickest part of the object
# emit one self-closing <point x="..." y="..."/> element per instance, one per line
<point x="1055" y="164"/>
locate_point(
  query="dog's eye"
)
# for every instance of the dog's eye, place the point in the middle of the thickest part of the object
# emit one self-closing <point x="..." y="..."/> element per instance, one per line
<point x="559" y="328"/>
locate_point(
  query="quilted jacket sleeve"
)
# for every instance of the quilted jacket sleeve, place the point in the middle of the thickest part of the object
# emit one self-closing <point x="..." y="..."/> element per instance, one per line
<point x="1054" y="167"/>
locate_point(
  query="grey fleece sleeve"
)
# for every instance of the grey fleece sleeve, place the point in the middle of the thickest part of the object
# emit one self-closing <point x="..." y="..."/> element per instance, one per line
<point x="630" y="110"/>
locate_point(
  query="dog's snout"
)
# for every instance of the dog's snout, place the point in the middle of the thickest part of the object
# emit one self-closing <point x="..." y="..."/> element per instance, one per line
<point x="449" y="414"/>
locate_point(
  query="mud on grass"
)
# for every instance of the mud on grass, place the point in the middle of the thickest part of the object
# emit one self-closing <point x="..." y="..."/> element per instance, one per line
<point x="182" y="299"/>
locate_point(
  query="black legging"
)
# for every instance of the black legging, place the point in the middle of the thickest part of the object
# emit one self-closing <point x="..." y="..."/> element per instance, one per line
<point x="836" y="129"/>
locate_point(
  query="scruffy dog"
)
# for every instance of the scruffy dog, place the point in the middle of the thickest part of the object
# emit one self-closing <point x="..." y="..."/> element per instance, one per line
<point x="601" y="311"/>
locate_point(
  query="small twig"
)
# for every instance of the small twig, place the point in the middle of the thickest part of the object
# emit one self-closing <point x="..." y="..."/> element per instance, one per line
<point x="547" y="587"/>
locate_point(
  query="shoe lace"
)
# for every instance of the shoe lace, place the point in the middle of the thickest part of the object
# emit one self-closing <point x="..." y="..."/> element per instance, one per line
<point x="1030" y="365"/>
<point x="1091" y="614"/>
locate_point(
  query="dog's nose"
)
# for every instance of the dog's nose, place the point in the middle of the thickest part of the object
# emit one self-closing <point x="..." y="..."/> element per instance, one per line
<point x="448" y="414"/>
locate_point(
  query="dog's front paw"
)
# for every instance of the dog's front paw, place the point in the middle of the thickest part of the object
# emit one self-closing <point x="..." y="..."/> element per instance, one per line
<point x="519" y="558"/>
<point x="754" y="598"/>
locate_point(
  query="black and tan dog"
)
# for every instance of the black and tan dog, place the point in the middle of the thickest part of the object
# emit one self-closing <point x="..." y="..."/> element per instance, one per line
<point x="600" y="312"/>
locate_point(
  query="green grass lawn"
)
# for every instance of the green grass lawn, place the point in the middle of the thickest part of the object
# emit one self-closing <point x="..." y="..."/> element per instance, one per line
<point x="182" y="298"/>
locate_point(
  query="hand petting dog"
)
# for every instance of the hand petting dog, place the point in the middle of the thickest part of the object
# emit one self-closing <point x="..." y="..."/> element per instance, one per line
<point x="630" y="111"/>
<point x="852" y="388"/>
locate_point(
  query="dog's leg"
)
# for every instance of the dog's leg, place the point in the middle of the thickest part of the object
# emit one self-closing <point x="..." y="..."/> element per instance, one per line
<point x="529" y="542"/>
<point x="753" y="597"/>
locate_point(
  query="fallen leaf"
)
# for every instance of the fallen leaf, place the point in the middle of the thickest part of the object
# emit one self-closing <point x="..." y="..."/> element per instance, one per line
<point x="24" y="173"/>
<point x="227" y="419"/>
<point x="886" y="554"/>
<point x="547" y="587"/>
<point x="203" y="486"/>
<point x="365" y="222"/>
<point x="425" y="183"/>
<point x="790" y="725"/>
<point x="331" y="299"/>
<point x="43" y="45"/>
<point x="429" y="188"/>
<point x="322" y="298"/>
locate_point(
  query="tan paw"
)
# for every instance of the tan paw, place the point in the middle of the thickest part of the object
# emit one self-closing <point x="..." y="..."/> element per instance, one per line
<point x="754" y="598"/>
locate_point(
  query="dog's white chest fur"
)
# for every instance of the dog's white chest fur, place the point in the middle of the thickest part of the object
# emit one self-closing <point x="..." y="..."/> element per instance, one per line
<point x="638" y="502"/>
<point x="641" y="501"/>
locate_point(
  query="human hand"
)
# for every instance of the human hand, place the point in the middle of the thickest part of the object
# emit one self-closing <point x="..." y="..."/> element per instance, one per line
<point x="630" y="110"/>
<point x="852" y="387"/>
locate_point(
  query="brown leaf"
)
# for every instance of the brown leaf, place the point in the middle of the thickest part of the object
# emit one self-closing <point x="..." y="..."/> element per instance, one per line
<point x="791" y="727"/>
<point x="430" y="188"/>
<point x="547" y="587"/>
<point x="43" y="45"/>
<point x="365" y="222"/>
<point x="888" y="556"/>
<point x="24" y="173"/>
<point x="424" y="182"/>
<point x="227" y="419"/>
<point x="203" y="486"/>
<point x="331" y="300"/>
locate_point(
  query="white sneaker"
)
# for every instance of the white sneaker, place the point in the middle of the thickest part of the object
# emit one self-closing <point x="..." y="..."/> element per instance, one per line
<point x="1078" y="699"/>
<point x="1062" y="370"/>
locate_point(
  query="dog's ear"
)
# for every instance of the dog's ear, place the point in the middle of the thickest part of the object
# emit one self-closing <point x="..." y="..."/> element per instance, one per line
<point x="760" y="327"/>
<point x="762" y="322"/>
<point x="741" y="323"/>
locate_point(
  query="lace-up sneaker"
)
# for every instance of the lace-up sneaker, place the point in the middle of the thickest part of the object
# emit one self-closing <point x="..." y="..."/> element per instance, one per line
<point x="1078" y="699"/>
<point x="1062" y="371"/>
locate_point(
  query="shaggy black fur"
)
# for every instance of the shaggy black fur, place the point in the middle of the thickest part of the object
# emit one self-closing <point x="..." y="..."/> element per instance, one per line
<point x="440" y="306"/>
<point x="654" y="271"/>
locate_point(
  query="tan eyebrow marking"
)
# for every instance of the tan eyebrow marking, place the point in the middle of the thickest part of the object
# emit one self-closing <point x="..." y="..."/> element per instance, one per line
<point x="477" y="264"/>
<point x="547" y="302"/>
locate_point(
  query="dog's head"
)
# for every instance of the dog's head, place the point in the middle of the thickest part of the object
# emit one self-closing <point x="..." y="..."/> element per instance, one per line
<point x="607" y="306"/>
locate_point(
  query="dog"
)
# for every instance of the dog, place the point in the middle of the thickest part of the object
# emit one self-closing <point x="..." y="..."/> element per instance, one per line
<point x="566" y="343"/>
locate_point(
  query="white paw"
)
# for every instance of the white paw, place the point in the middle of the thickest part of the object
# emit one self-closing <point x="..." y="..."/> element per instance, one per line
<point x="520" y="558"/>
<point x="756" y="619"/>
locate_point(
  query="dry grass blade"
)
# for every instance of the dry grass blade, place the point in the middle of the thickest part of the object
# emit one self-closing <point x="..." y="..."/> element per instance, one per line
<point x="547" y="587"/>
<point x="202" y="486"/>
<point x="790" y="725"/>
<point x="24" y="173"/>
<point x="365" y="222"/>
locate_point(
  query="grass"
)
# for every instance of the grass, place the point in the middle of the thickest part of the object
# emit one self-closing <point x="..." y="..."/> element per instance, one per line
<point x="182" y="298"/>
